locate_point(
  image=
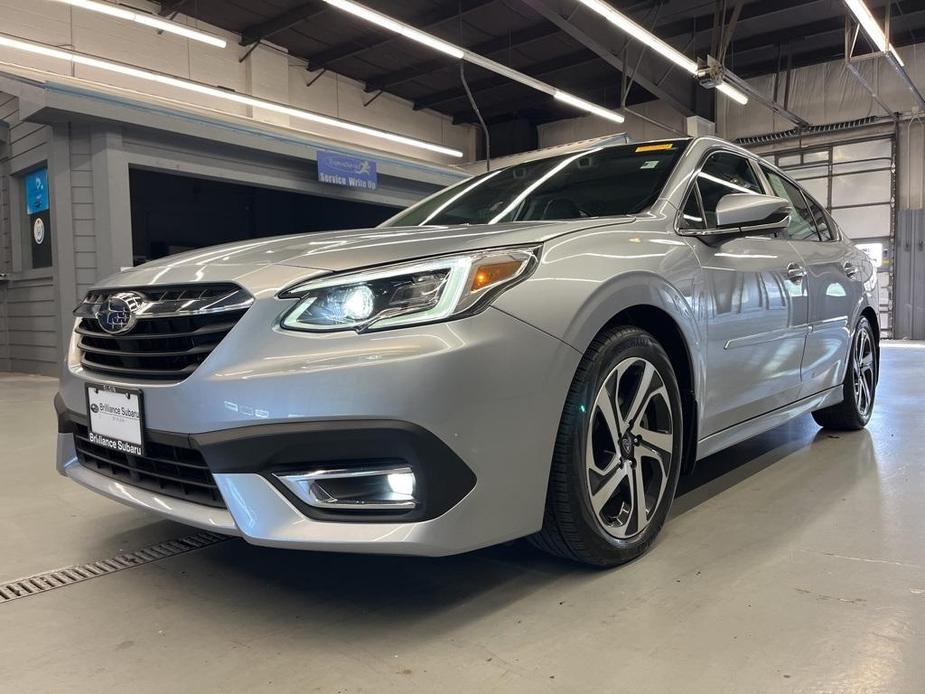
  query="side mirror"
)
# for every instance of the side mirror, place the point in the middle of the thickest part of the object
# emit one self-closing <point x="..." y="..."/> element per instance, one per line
<point x="745" y="210"/>
<point x="745" y="213"/>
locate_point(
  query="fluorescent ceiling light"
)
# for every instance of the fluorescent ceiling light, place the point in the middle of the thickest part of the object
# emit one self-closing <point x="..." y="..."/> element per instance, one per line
<point x="653" y="42"/>
<point x="588" y="106"/>
<point x="732" y="93"/>
<point x="868" y="23"/>
<point x="387" y="22"/>
<point x="872" y="28"/>
<point x="148" y="20"/>
<point x="450" y="49"/>
<point x="215" y="92"/>
<point x="624" y="23"/>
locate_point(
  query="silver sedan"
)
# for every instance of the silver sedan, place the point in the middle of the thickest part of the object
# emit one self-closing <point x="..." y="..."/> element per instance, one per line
<point x="539" y="351"/>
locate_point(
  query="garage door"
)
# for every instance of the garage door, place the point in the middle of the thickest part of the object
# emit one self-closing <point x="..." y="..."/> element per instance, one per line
<point x="856" y="181"/>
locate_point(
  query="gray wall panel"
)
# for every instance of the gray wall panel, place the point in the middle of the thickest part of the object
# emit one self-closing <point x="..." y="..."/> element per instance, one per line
<point x="28" y="303"/>
<point x="5" y="252"/>
<point x="910" y="275"/>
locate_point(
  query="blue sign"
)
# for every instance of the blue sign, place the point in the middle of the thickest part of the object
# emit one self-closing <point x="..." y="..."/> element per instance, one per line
<point x="37" y="191"/>
<point x="351" y="172"/>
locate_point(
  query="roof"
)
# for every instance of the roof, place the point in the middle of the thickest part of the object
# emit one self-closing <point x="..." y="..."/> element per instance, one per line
<point x="548" y="39"/>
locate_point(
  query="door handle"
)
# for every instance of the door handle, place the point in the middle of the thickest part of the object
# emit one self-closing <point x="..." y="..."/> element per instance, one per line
<point x="796" y="273"/>
<point x="851" y="270"/>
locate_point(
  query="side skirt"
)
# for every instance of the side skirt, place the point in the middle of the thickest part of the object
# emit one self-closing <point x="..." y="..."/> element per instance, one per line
<point x="762" y="423"/>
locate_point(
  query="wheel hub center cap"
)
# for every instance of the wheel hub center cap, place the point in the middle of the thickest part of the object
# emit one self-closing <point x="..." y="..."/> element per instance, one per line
<point x="626" y="446"/>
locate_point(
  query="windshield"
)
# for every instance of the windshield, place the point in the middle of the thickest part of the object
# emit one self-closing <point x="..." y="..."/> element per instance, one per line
<point x="602" y="182"/>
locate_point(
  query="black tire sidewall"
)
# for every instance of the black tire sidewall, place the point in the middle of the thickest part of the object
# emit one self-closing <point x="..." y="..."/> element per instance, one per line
<point x="623" y="344"/>
<point x="862" y="326"/>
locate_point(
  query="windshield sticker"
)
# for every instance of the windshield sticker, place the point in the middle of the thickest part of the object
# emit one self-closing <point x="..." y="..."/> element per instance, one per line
<point x="655" y="148"/>
<point x="649" y="165"/>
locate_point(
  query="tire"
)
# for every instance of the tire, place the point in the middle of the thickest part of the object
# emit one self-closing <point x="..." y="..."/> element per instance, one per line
<point x="591" y="511"/>
<point x="860" y="385"/>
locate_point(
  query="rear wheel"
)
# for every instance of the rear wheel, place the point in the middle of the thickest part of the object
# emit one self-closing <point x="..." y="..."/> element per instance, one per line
<point x="860" y="385"/>
<point x="618" y="453"/>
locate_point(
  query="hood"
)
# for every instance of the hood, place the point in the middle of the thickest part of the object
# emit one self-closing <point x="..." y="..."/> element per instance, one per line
<point x="336" y="251"/>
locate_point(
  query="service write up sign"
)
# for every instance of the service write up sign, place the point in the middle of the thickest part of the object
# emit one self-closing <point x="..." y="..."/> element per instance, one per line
<point x="350" y="172"/>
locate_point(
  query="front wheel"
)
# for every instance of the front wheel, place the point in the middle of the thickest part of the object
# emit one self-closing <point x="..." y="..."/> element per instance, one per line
<point x="618" y="453"/>
<point x="860" y="385"/>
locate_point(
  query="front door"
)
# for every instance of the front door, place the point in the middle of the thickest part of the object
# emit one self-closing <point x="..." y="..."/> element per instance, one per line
<point x="756" y="306"/>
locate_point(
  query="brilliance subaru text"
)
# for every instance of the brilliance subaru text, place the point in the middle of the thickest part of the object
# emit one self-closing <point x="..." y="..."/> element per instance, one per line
<point x="539" y="351"/>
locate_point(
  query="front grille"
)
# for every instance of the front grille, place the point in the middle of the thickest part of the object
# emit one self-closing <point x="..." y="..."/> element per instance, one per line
<point x="173" y="471"/>
<point x="177" y="329"/>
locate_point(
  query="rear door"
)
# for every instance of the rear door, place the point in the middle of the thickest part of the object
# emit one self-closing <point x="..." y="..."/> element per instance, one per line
<point x="755" y="303"/>
<point x="833" y="282"/>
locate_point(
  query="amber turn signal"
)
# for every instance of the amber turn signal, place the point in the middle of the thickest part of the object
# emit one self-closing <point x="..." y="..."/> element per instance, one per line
<point x="492" y="273"/>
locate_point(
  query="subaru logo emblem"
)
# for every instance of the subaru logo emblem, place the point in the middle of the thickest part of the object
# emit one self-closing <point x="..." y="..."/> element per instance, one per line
<point x="119" y="314"/>
<point x="626" y="445"/>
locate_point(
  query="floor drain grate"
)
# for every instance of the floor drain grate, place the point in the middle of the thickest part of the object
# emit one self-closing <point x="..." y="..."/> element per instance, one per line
<point x="42" y="583"/>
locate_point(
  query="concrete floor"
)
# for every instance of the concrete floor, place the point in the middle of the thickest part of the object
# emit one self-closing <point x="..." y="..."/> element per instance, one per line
<point x="793" y="563"/>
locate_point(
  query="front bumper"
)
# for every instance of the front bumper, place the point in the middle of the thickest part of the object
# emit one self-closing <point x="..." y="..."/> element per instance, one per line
<point x="472" y="405"/>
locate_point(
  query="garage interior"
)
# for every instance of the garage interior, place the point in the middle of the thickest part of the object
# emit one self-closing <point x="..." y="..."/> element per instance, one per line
<point x="172" y="214"/>
<point x="793" y="561"/>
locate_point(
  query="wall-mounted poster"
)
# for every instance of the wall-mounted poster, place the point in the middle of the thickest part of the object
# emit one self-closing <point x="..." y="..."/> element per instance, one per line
<point x="38" y="211"/>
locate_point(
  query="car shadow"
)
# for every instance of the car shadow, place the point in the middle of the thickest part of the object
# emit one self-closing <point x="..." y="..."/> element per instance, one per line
<point x="384" y="592"/>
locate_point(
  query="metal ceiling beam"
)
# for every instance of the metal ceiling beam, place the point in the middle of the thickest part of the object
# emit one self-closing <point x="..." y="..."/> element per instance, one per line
<point x="768" y="103"/>
<point x="775" y="38"/>
<point x="169" y="8"/>
<point x="703" y="24"/>
<point x="281" y="22"/>
<point x="526" y="36"/>
<point x="652" y="86"/>
<point x="810" y="38"/>
<point x="513" y="41"/>
<point x="814" y="30"/>
<point x="565" y="62"/>
<point x="524" y="102"/>
<point x="372" y="40"/>
<point x="667" y="30"/>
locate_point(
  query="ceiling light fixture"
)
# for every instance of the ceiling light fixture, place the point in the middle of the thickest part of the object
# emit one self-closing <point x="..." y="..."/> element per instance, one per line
<point x="870" y="26"/>
<point x="587" y="106"/>
<point x="223" y="94"/>
<point x="653" y="42"/>
<point x="625" y="24"/>
<point x="450" y="49"/>
<point x="387" y="22"/>
<point x="147" y="20"/>
<point x="732" y="93"/>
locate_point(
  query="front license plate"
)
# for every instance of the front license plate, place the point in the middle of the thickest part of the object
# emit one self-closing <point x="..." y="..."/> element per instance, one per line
<point x="116" y="419"/>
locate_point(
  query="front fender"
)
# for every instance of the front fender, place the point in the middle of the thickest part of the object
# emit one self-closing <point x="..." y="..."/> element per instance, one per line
<point x="584" y="280"/>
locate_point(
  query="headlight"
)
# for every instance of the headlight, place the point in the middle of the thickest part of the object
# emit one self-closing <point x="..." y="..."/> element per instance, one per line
<point x="423" y="291"/>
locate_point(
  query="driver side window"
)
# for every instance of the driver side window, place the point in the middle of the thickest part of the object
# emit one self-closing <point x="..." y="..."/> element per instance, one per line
<point x="722" y="174"/>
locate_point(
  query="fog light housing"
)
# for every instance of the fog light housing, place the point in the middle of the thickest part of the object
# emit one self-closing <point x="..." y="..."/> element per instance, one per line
<point x="380" y="488"/>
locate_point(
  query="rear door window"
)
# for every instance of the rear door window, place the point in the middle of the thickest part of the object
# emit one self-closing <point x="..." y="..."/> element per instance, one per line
<point x="826" y="233"/>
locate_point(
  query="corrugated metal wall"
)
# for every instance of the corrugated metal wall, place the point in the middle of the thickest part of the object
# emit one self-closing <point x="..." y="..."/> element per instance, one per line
<point x="910" y="275"/>
<point x="85" y="256"/>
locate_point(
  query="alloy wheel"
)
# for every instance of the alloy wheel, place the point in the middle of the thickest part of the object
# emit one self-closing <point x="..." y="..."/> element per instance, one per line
<point x="864" y="372"/>
<point x="629" y="448"/>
